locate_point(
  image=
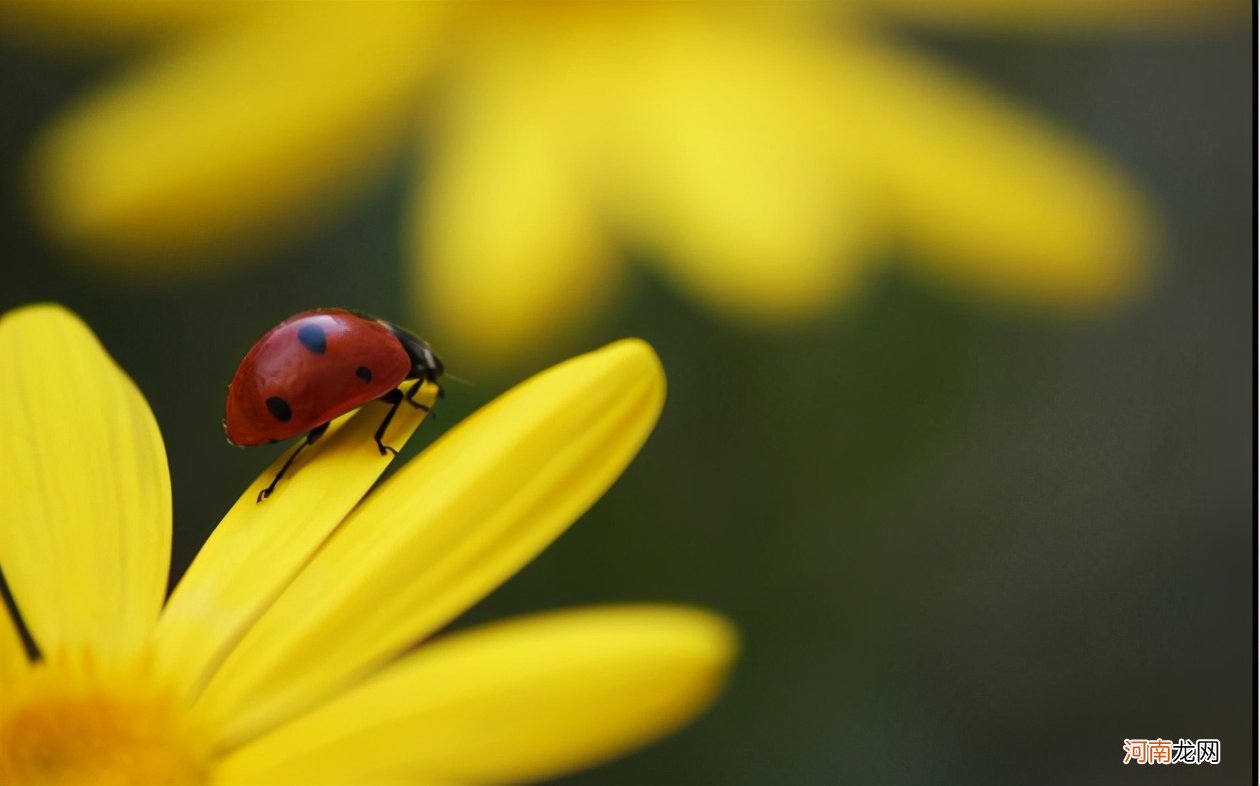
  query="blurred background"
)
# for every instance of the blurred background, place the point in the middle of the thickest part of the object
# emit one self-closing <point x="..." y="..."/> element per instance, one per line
<point x="971" y="534"/>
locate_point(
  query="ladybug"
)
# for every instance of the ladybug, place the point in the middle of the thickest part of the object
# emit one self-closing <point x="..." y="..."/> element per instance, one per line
<point x="318" y="365"/>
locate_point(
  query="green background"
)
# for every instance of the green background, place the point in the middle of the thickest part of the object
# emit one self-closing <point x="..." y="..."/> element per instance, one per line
<point x="963" y="544"/>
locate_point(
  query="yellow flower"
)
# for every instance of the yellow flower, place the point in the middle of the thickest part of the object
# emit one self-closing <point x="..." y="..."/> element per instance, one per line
<point x="759" y="156"/>
<point x="284" y="654"/>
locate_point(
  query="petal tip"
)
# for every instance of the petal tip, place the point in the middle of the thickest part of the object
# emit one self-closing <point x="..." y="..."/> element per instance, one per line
<point x="39" y="310"/>
<point x="633" y="348"/>
<point x="633" y="355"/>
<point x="715" y="638"/>
<point x="30" y="321"/>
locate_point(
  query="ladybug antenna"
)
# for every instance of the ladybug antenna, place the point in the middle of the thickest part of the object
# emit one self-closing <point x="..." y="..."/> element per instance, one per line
<point x="460" y="380"/>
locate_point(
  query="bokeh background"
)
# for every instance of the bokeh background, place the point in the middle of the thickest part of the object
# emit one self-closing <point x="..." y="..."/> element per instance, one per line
<point x="966" y="542"/>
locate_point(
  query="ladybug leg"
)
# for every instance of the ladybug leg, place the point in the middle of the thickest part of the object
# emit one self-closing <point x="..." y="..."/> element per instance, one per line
<point x="415" y="388"/>
<point x="412" y="391"/>
<point x="393" y="398"/>
<point x="314" y="435"/>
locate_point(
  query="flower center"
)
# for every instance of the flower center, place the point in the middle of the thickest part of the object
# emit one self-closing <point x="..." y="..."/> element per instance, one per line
<point x="78" y="725"/>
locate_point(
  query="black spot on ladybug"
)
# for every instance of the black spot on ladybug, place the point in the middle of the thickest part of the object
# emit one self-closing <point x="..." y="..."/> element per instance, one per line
<point x="279" y="408"/>
<point x="364" y="373"/>
<point x="313" y="338"/>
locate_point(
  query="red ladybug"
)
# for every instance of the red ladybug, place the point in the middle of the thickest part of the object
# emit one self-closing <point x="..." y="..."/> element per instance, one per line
<point x="317" y="365"/>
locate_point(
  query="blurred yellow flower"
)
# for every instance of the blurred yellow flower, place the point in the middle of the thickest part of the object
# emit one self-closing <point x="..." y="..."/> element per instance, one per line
<point x="283" y="655"/>
<point x="759" y="156"/>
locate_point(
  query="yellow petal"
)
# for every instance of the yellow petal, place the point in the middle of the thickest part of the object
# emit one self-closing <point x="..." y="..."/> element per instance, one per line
<point x="445" y="530"/>
<point x="508" y="253"/>
<point x="988" y="197"/>
<point x="239" y="136"/>
<point x="85" y="495"/>
<point x="13" y="659"/>
<point x="716" y="162"/>
<point x="259" y="547"/>
<point x="508" y="703"/>
<point x="1049" y="15"/>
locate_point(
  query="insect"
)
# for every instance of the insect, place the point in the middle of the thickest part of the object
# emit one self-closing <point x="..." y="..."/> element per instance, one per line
<point x="317" y="365"/>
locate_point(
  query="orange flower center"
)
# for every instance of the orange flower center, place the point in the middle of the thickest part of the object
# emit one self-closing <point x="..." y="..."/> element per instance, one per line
<point x="76" y="726"/>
